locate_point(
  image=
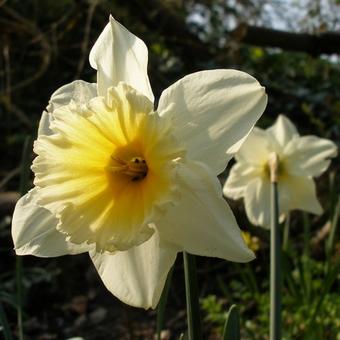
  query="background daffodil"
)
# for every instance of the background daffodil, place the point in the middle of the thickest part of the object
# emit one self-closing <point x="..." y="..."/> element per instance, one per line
<point x="253" y="242"/>
<point x="130" y="184"/>
<point x="300" y="159"/>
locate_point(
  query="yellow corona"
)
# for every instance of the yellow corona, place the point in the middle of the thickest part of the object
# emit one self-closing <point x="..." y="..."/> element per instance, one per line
<point x="108" y="169"/>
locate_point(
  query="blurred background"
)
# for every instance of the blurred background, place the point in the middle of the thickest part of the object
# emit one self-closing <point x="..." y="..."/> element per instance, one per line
<point x="292" y="47"/>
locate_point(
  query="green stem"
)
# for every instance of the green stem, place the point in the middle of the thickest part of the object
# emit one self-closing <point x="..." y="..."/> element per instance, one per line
<point x="306" y="270"/>
<point x="334" y="224"/>
<point x="24" y="180"/>
<point x="4" y="323"/>
<point x="275" y="257"/>
<point x="327" y="284"/>
<point x="18" y="280"/>
<point x="162" y="304"/>
<point x="248" y="277"/>
<point x="252" y="278"/>
<point x="286" y="233"/>
<point x="306" y="234"/>
<point x="191" y="290"/>
<point x="245" y="277"/>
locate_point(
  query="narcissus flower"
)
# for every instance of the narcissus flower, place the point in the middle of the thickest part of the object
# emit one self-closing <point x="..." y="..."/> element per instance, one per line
<point x="252" y="242"/>
<point x="300" y="159"/>
<point x="131" y="184"/>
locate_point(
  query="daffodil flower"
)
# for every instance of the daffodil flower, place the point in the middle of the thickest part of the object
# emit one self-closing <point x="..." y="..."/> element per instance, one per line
<point x="300" y="159"/>
<point x="252" y="242"/>
<point x="131" y="184"/>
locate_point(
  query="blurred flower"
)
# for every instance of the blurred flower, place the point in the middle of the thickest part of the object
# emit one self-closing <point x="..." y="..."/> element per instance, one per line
<point x="134" y="186"/>
<point x="300" y="159"/>
<point x="252" y="242"/>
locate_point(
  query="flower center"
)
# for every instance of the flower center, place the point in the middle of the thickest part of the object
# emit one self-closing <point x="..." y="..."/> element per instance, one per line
<point x="281" y="170"/>
<point x="136" y="167"/>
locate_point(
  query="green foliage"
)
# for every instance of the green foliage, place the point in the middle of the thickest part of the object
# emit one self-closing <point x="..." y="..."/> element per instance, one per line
<point x="303" y="87"/>
<point x="310" y="300"/>
<point x="215" y="311"/>
<point x="298" y="315"/>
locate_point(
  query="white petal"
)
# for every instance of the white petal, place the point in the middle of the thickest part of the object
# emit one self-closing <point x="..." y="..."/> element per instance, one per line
<point x="136" y="276"/>
<point x="79" y="91"/>
<point x="202" y="222"/>
<point x="44" y="124"/>
<point x="286" y="196"/>
<point x="309" y="155"/>
<point x="213" y="111"/>
<point x="282" y="132"/>
<point x="256" y="148"/>
<point x="257" y="202"/>
<point x="34" y="231"/>
<point x="303" y="194"/>
<point x="239" y="177"/>
<point x="118" y="55"/>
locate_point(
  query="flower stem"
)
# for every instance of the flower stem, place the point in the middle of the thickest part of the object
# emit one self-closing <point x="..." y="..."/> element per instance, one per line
<point x="275" y="255"/>
<point x="191" y="291"/>
<point x="4" y="323"/>
<point x="334" y="224"/>
<point x="286" y="233"/>
<point x="24" y="179"/>
<point x="306" y="234"/>
<point x="18" y="280"/>
<point x="162" y="304"/>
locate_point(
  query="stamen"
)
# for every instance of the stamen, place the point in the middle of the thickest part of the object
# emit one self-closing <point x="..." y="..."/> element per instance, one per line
<point x="135" y="168"/>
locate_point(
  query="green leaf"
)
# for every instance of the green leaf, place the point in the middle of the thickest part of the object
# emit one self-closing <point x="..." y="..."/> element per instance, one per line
<point x="183" y="336"/>
<point x="232" y="325"/>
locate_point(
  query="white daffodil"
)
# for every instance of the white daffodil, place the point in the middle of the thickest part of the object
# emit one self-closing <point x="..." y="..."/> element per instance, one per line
<point x="130" y="184"/>
<point x="300" y="159"/>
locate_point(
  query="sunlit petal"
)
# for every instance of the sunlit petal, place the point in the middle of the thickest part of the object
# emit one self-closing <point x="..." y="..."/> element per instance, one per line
<point x="213" y="111"/>
<point x="282" y="132"/>
<point x="136" y="276"/>
<point x="257" y="202"/>
<point x="309" y="155"/>
<point x="202" y="223"/>
<point x="78" y="91"/>
<point x="118" y="55"/>
<point x="34" y="231"/>
<point x="255" y="149"/>
<point x="303" y="194"/>
<point x="239" y="177"/>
